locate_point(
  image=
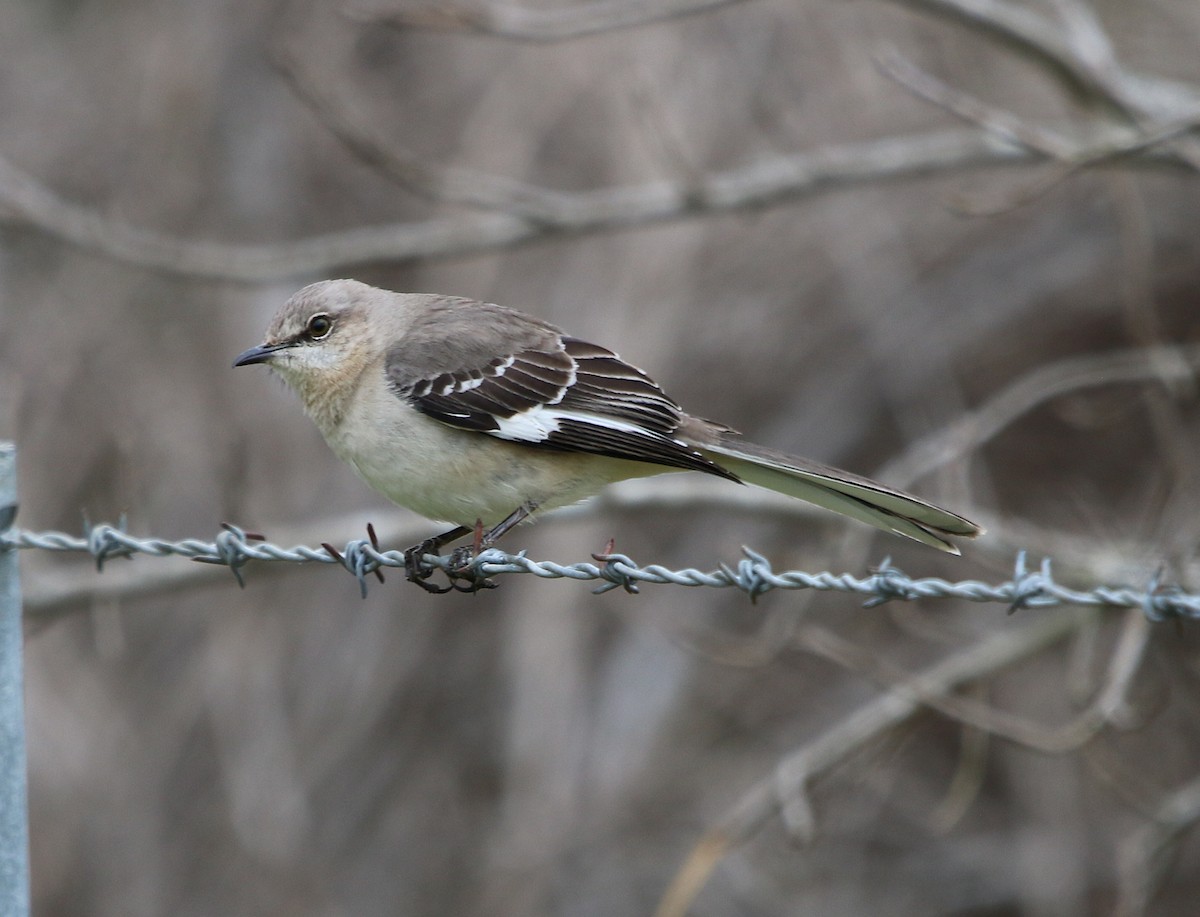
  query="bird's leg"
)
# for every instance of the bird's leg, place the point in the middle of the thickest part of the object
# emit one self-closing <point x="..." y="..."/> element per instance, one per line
<point x="511" y="521"/>
<point x="462" y="557"/>
<point x="414" y="558"/>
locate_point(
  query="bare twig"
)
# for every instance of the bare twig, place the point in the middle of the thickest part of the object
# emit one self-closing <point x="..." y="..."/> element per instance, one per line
<point x="531" y="213"/>
<point x="974" y="428"/>
<point x="1068" y="157"/>
<point x="1144" y="856"/>
<point x="1043" y="37"/>
<point x="1004" y="124"/>
<point x="968" y="778"/>
<point x="1078" y="48"/>
<point x="26" y="202"/>
<point x="1096" y="64"/>
<point x="1111" y="704"/>
<point x="506" y="20"/>
<point x="786" y="787"/>
<point x="436" y="181"/>
<point x="1136" y="285"/>
<point x="523" y="213"/>
<point x="1107" y="708"/>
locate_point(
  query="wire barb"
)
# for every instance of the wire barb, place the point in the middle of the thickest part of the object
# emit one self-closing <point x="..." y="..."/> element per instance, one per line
<point x="228" y="549"/>
<point x="890" y="584"/>
<point x="615" y="572"/>
<point x="1029" y="588"/>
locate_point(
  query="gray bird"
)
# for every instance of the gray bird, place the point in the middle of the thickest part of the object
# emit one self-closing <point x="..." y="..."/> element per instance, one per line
<point x="477" y="414"/>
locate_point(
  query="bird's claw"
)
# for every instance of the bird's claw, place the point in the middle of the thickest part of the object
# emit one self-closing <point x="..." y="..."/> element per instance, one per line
<point x="416" y="570"/>
<point x="462" y="575"/>
<point x="461" y="568"/>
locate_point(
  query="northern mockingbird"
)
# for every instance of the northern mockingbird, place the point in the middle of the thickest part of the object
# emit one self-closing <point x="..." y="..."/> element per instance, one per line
<point x="479" y="415"/>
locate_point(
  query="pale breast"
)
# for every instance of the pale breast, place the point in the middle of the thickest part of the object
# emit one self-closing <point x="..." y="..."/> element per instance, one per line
<point x="460" y="476"/>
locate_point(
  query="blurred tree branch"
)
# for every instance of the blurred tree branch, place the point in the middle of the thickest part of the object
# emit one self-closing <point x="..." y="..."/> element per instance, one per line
<point x="437" y="182"/>
<point x="516" y="212"/>
<point x="1078" y="49"/>
<point x="974" y="428"/>
<point x="527" y="24"/>
<point x="1108" y="707"/>
<point x="784" y="792"/>
<point x="1144" y="857"/>
<point x="26" y="202"/>
<point x="1038" y="138"/>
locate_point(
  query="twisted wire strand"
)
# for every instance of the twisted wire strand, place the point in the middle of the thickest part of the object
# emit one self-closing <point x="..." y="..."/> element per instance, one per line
<point x="234" y="547"/>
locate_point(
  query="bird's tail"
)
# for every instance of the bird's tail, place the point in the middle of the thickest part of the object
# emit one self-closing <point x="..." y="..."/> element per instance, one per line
<point x="843" y="492"/>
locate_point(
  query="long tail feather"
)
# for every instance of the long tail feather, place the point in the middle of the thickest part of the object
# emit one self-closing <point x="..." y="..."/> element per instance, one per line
<point x="843" y="492"/>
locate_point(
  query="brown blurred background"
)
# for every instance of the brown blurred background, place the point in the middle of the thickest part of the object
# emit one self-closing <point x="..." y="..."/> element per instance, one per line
<point x="173" y="170"/>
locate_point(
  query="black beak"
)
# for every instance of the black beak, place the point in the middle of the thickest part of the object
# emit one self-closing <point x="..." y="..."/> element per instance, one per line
<point x="260" y="354"/>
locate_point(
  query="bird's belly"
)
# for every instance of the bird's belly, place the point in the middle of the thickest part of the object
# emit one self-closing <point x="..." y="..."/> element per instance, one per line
<point x="458" y="476"/>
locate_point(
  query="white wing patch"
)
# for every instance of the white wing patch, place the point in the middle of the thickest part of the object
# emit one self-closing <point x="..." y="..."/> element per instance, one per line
<point x="464" y="386"/>
<point x="538" y="424"/>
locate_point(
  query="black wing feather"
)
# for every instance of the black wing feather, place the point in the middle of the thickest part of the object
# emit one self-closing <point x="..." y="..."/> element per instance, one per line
<point x="569" y="377"/>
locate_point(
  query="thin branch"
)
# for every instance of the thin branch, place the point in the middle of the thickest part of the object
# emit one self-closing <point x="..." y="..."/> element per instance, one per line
<point x="1108" y="708"/>
<point x="1084" y="56"/>
<point x="1096" y="62"/>
<point x="1042" y="37"/>
<point x="786" y="787"/>
<point x="527" y="213"/>
<point x="1055" y="146"/>
<point x="1144" y="856"/>
<point x="974" y="428"/>
<point x="505" y="20"/>
<point x="26" y="202"/>
<point x="969" y="776"/>
<point x="1112" y="702"/>
<point x="1004" y="124"/>
<point x="435" y="181"/>
<point x="1085" y="36"/>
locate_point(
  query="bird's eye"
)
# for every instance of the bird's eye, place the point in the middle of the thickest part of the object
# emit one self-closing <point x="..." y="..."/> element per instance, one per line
<point x="318" y="327"/>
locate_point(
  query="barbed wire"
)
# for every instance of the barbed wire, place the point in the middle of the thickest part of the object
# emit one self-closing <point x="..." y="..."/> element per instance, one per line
<point x="234" y="547"/>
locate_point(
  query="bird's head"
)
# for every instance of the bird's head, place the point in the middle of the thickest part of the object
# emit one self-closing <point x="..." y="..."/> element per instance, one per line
<point x="320" y="341"/>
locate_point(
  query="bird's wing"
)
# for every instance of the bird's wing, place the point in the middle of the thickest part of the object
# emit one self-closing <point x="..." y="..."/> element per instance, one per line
<point x="534" y="386"/>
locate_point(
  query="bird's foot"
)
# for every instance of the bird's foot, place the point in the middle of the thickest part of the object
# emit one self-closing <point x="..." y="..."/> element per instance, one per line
<point x="418" y="571"/>
<point x="462" y="575"/>
<point x="462" y="560"/>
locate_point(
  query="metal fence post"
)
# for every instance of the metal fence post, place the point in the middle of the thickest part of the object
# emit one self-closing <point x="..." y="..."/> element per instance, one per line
<point x="14" y="806"/>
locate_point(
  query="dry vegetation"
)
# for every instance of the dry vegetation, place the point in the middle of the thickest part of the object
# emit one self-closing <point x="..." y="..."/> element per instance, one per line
<point x="950" y="242"/>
